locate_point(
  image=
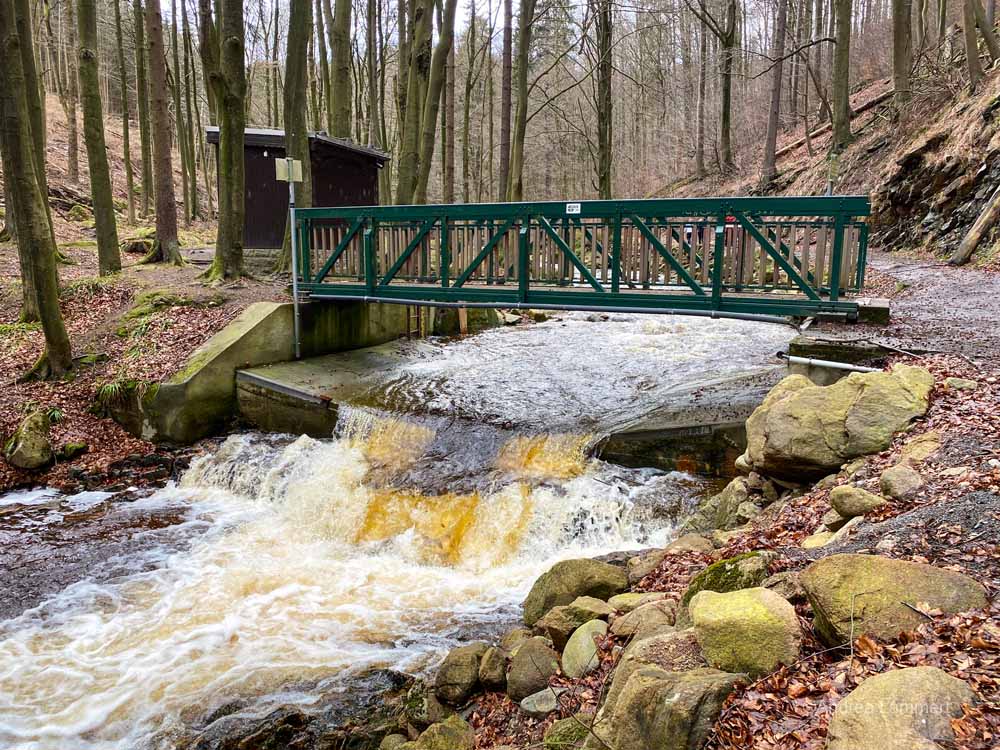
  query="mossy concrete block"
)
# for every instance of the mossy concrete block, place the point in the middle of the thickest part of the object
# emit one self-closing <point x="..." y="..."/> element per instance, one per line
<point x="201" y="396"/>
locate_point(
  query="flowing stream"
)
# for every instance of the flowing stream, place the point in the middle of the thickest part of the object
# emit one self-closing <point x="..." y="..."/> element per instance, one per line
<point x="280" y="563"/>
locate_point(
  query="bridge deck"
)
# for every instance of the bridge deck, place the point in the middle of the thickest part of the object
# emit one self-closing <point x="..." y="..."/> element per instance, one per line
<point x="783" y="256"/>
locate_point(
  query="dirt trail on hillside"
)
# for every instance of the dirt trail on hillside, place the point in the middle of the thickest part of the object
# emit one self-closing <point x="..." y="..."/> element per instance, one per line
<point x="940" y="309"/>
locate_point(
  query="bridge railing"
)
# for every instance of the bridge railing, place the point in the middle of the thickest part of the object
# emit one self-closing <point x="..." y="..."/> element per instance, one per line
<point x="712" y="253"/>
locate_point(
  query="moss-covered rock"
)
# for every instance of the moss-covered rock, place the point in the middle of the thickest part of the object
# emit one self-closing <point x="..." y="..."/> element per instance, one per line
<point x="541" y="704"/>
<point x="454" y="733"/>
<point x="850" y="501"/>
<point x="458" y="675"/>
<point x="690" y="543"/>
<point x="567" y="580"/>
<point x="580" y="655"/>
<point x="739" y="572"/>
<point x="750" y="630"/>
<point x="905" y="709"/>
<point x="80" y="214"/>
<point x="818" y="539"/>
<point x="69" y="451"/>
<point x="855" y="594"/>
<point x="567" y="734"/>
<point x="532" y="665"/>
<point x="392" y="742"/>
<point x="803" y="430"/>
<point x="29" y="446"/>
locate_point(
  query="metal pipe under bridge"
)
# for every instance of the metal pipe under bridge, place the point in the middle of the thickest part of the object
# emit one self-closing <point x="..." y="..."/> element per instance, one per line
<point x="724" y="257"/>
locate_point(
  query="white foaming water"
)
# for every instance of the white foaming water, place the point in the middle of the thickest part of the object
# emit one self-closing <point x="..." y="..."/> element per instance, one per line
<point x="301" y="570"/>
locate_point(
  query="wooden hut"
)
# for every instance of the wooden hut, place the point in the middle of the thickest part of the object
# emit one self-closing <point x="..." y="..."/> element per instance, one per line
<point x="343" y="174"/>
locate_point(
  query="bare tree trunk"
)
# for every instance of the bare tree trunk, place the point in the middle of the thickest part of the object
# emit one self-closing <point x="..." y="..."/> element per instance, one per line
<point x="699" y="147"/>
<point x="71" y="97"/>
<point x="769" y="170"/>
<point x="228" y="78"/>
<point x="189" y="95"/>
<point x="728" y="50"/>
<point x="432" y="99"/>
<point x="505" y="100"/>
<point x="142" y="100"/>
<point x="988" y="217"/>
<point x="448" y="194"/>
<point x="109" y="259"/>
<point x="973" y="63"/>
<point x="324" y="60"/>
<point x="902" y="52"/>
<point x="842" y="78"/>
<point x="604" y="101"/>
<point x="175" y="91"/>
<point x="419" y="72"/>
<point x="36" y="243"/>
<point x="986" y="29"/>
<point x="340" y="73"/>
<point x="126" y="139"/>
<point x="296" y="132"/>
<point x="470" y="71"/>
<point x="167" y="248"/>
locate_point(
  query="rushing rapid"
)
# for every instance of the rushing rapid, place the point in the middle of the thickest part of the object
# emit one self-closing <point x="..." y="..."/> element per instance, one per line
<point x="282" y="562"/>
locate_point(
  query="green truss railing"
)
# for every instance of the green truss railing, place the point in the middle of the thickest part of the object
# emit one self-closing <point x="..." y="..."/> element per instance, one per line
<point x="781" y="256"/>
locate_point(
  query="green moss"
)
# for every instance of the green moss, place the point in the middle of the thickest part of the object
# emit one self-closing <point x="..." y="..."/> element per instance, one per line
<point x="9" y="329"/>
<point x="71" y="450"/>
<point x="153" y="301"/>
<point x="80" y="213"/>
<point x="742" y="571"/>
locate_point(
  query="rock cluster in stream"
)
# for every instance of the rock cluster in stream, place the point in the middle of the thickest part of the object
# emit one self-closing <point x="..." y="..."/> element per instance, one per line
<point x="678" y="660"/>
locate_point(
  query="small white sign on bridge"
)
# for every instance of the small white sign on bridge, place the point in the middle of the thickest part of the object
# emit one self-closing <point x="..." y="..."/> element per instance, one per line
<point x="572" y="208"/>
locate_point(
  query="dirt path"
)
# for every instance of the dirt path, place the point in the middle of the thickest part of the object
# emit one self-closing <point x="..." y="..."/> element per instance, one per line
<point x="937" y="308"/>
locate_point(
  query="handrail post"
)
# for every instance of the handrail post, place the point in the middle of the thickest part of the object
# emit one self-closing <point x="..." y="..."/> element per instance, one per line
<point x="616" y="254"/>
<point x="445" y="258"/>
<point x="369" y="251"/>
<point x="838" y="257"/>
<point x="293" y="237"/>
<point x="523" y="248"/>
<point x="718" y="255"/>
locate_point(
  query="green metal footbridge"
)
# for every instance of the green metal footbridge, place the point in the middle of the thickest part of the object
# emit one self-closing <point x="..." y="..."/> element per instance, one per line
<point x="721" y="257"/>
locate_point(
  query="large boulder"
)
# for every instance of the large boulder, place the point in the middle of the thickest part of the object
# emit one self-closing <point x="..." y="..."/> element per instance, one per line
<point x="733" y="573"/>
<point x="532" y="665"/>
<point x="458" y="675"/>
<point x="652" y="617"/>
<point x="660" y="709"/>
<point x="567" y="580"/>
<point x="580" y="655"/>
<point x="750" y="630"/>
<point x="850" y="501"/>
<point x="806" y="431"/>
<point x="29" y="447"/>
<point x="906" y="709"/>
<point x="855" y="594"/>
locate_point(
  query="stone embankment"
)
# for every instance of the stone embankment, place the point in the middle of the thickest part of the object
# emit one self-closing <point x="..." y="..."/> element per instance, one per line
<point x="602" y="661"/>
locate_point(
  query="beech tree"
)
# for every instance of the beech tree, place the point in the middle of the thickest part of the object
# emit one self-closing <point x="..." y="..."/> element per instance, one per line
<point x="123" y="93"/>
<point x="36" y="242"/>
<point x="108" y="256"/>
<point x="167" y="248"/>
<point x="142" y="105"/>
<point x="222" y="53"/>
<point x="842" y="77"/>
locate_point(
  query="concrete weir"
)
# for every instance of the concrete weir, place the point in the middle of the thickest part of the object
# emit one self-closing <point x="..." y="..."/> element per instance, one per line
<point x="200" y="398"/>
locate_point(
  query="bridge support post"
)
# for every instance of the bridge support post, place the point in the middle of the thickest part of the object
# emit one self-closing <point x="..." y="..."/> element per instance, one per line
<point x="718" y="256"/>
<point x="616" y="254"/>
<point x="523" y="250"/>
